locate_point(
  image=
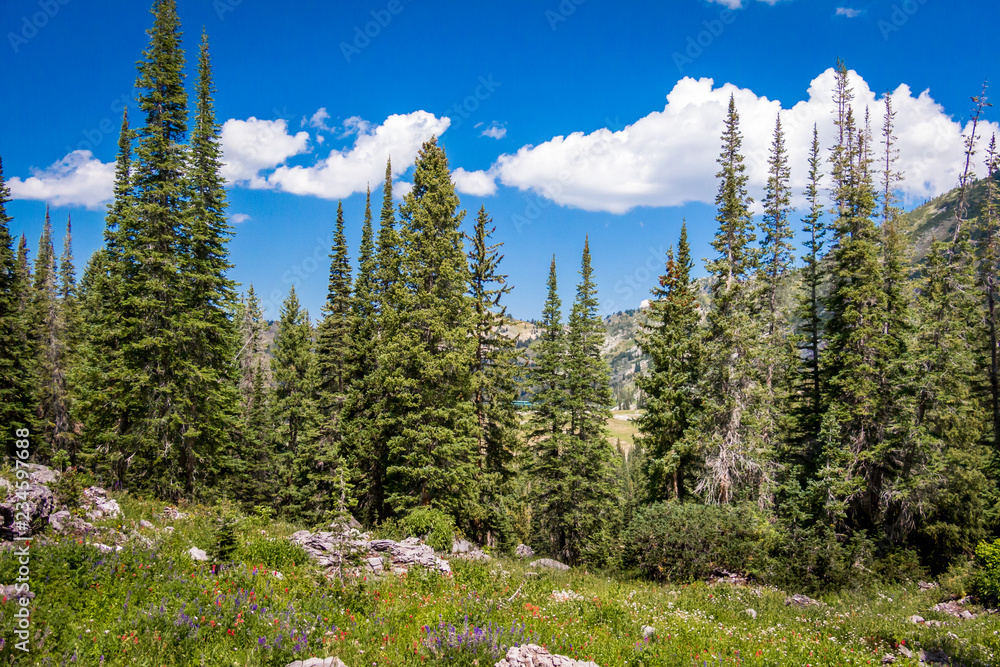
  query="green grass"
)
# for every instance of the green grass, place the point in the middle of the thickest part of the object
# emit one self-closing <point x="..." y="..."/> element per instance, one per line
<point x="154" y="606"/>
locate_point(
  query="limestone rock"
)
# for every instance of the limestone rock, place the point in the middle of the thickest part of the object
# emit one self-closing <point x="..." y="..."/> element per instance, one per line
<point x="916" y="619"/>
<point x="532" y="655"/>
<point x="145" y="524"/>
<point x="549" y="563"/>
<point x="97" y="504"/>
<point x="64" y="522"/>
<point x="359" y="555"/>
<point x="752" y="613"/>
<point x="11" y="592"/>
<point x="40" y="504"/>
<point x="40" y="474"/>
<point x="954" y="609"/>
<point x="648" y="632"/>
<point x="197" y="554"/>
<point x="524" y="551"/>
<point x="173" y="514"/>
<point x="462" y="547"/>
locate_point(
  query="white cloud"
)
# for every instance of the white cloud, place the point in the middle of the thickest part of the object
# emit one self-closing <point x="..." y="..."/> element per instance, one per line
<point x="738" y="4"/>
<point x="237" y="218"/>
<point x="848" y="12"/>
<point x="475" y="183"/>
<point x="79" y="179"/>
<point x="355" y="125"/>
<point x="668" y="157"/>
<point x="495" y="131"/>
<point x="318" y="120"/>
<point x="252" y="145"/>
<point x="353" y="169"/>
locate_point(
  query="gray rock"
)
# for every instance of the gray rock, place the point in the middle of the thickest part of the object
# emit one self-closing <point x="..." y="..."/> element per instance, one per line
<point x="752" y="613"/>
<point x="64" y="522"/>
<point x="318" y="662"/>
<point x="462" y="547"/>
<point x="104" y="548"/>
<point x="172" y="513"/>
<point x="888" y="659"/>
<point x="524" y="551"/>
<point x="549" y="563"/>
<point x="532" y="655"/>
<point x="925" y="586"/>
<point x="648" y="632"/>
<point x="915" y="619"/>
<point x="40" y="504"/>
<point x="799" y="600"/>
<point x="905" y="652"/>
<point x="359" y="556"/>
<point x="40" y="474"/>
<point x="97" y="504"/>
<point x="11" y="592"/>
<point x="145" y="524"/>
<point x="197" y="554"/>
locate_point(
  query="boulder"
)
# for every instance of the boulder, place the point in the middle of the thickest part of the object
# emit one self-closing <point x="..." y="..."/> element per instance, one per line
<point x="359" y="556"/>
<point x="799" y="600"/>
<point x="916" y="619"/>
<point x="532" y="655"/>
<point x="318" y="662"/>
<point x="954" y="609"/>
<point x="145" y="524"/>
<point x="40" y="504"/>
<point x="11" y="592"/>
<point x="197" y="554"/>
<point x="752" y="613"/>
<point x="549" y="563"/>
<point x="648" y="633"/>
<point x="64" y="522"/>
<point x="524" y="551"/>
<point x="172" y="513"/>
<point x="40" y="474"/>
<point x="97" y="504"/>
<point x="462" y="547"/>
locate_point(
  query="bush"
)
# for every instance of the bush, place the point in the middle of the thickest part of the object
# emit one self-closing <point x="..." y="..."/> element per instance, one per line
<point x="988" y="576"/>
<point x="686" y="542"/>
<point x="436" y="527"/>
<point x="275" y="553"/>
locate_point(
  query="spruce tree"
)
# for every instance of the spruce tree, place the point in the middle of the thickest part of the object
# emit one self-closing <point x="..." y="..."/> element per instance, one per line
<point x="734" y="428"/>
<point x="549" y="414"/>
<point x="17" y="394"/>
<point x="334" y="332"/>
<point x="989" y="233"/>
<point x="671" y="338"/>
<point x="428" y="357"/>
<point x="494" y="378"/>
<point x="296" y="415"/>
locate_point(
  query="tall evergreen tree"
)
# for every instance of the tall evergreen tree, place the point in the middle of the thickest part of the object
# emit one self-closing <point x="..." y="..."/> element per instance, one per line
<point x="671" y="338"/>
<point x="734" y="428"/>
<point x="429" y="355"/>
<point x="549" y="414"/>
<point x="295" y="411"/>
<point x="17" y="395"/>
<point x="333" y="339"/>
<point x="989" y="232"/>
<point x="494" y="377"/>
<point x="47" y="342"/>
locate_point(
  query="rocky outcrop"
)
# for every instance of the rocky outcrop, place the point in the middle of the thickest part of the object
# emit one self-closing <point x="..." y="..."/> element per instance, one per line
<point x="532" y="655"/>
<point x="64" y="522"/>
<point x="351" y="552"/>
<point x="524" y="551"/>
<point x="194" y="553"/>
<point x="35" y="503"/>
<point x="549" y="563"/>
<point x="799" y="600"/>
<point x="97" y="504"/>
<point x="954" y="608"/>
<point x="467" y="550"/>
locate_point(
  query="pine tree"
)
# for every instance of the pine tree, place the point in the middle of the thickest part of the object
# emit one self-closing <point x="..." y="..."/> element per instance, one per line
<point x="574" y="468"/>
<point x="810" y="312"/>
<point x="494" y="377"/>
<point x="734" y="427"/>
<point x="17" y="395"/>
<point x="989" y="232"/>
<point x="549" y="414"/>
<point x="671" y="339"/>
<point x="429" y="355"/>
<point x="294" y="407"/>
<point x="47" y="342"/>
<point x="334" y="332"/>
<point x="209" y="333"/>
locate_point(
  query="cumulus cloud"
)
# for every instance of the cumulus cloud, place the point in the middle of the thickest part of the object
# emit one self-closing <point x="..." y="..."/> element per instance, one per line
<point x="353" y="169"/>
<point x="475" y="183"/>
<point x="355" y="125"/>
<point x="237" y="218"/>
<point x="848" y="12"/>
<point x="668" y="157"/>
<point x="318" y="120"/>
<point x="79" y="179"/>
<point x="254" y="145"/>
<point x="495" y="131"/>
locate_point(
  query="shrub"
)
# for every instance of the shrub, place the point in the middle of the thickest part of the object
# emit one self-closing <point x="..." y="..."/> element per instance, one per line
<point x="686" y="542"/>
<point x="436" y="527"/>
<point x="988" y="576"/>
<point x="275" y="553"/>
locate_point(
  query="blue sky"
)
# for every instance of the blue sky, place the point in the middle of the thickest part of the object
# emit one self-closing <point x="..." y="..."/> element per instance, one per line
<point x="563" y="118"/>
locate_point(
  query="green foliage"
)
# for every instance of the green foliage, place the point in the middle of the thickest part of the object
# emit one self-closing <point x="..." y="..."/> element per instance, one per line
<point x="274" y="552"/>
<point x="68" y="488"/>
<point x="435" y="526"/>
<point x="683" y="542"/>
<point x="987" y="580"/>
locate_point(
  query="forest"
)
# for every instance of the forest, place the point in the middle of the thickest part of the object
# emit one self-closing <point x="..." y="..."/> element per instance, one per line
<point x="822" y="417"/>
